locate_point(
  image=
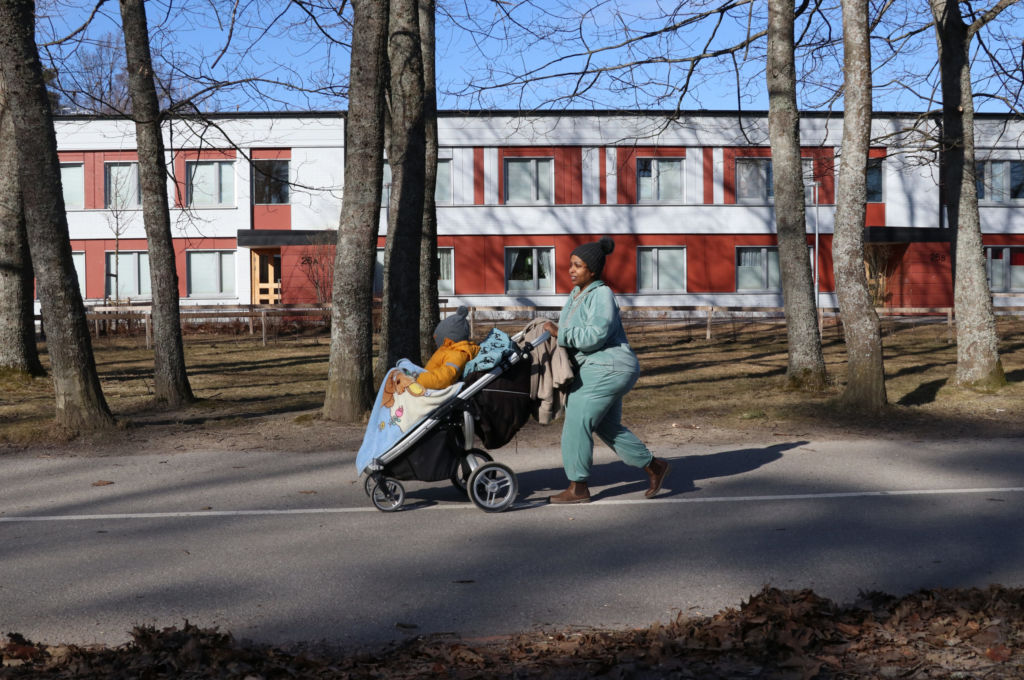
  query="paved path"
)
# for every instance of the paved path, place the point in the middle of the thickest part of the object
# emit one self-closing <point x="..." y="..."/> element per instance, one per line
<point x="286" y="547"/>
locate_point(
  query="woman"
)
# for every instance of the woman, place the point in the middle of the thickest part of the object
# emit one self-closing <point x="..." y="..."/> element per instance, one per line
<point x="590" y="329"/>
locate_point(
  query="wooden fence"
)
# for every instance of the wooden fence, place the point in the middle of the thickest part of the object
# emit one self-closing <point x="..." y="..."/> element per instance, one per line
<point x="270" y="318"/>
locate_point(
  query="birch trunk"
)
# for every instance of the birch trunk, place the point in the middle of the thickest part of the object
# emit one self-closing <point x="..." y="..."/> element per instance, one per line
<point x="806" y="368"/>
<point x="171" y="385"/>
<point x="977" y="345"/>
<point x="865" y="373"/>
<point x="429" y="269"/>
<point x="350" y="385"/>
<point x="400" y="314"/>
<point x="18" y="351"/>
<point x="80" y="404"/>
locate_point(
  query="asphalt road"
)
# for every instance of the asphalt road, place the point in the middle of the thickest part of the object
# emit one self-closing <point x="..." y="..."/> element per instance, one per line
<point x="285" y="547"/>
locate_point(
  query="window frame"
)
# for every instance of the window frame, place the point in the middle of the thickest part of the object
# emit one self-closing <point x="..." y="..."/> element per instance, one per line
<point x="190" y="293"/>
<point x="136" y="271"/>
<point x="448" y="199"/>
<point x="108" y="203"/>
<point x="79" y="273"/>
<point x="765" y="269"/>
<point x="656" y="188"/>
<point x="879" y="164"/>
<point x="1001" y="194"/>
<point x="807" y="171"/>
<point x="1007" y="274"/>
<point x="536" y="269"/>
<point x="445" y="286"/>
<point x="271" y="179"/>
<point x="535" y="188"/>
<point x="378" y="272"/>
<point x="81" y="167"/>
<point x="190" y="193"/>
<point x="657" y="251"/>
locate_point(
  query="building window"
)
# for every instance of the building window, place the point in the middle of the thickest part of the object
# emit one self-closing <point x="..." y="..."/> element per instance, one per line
<point x="529" y="180"/>
<point x="127" y="274"/>
<point x="874" y="181"/>
<point x="754" y="181"/>
<point x="659" y="179"/>
<point x="1000" y="181"/>
<point x="72" y="181"/>
<point x="78" y="260"/>
<point x="661" y="269"/>
<point x="211" y="273"/>
<point x="443" y="189"/>
<point x="270" y="182"/>
<point x="210" y="184"/>
<point x="446" y="271"/>
<point x="758" y="269"/>
<point x="121" y="188"/>
<point x="529" y="270"/>
<point x="1005" y="268"/>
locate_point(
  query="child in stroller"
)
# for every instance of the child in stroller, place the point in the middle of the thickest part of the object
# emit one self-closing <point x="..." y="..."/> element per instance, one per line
<point x="428" y="435"/>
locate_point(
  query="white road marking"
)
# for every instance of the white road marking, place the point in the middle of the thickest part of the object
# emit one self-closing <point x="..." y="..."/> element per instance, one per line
<point x="521" y="505"/>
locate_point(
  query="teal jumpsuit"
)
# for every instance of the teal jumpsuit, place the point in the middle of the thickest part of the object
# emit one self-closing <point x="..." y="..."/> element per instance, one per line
<point x="590" y="329"/>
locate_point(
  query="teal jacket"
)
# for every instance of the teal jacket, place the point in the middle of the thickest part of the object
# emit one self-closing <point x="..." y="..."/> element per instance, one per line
<point x="590" y="329"/>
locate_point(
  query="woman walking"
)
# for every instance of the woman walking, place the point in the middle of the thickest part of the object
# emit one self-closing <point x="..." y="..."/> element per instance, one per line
<point x="590" y="329"/>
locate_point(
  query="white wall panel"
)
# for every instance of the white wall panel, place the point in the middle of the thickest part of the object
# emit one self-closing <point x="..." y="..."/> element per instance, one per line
<point x="612" y="175"/>
<point x="591" y="175"/>
<point x="462" y="176"/>
<point x="623" y="219"/>
<point x="491" y="186"/>
<point x="316" y="194"/>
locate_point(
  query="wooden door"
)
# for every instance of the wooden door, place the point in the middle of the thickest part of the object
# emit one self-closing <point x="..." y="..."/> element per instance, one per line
<point x="266" y="277"/>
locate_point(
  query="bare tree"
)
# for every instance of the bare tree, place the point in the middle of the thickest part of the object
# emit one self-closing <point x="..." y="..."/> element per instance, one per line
<point x="350" y="386"/>
<point x="317" y="264"/>
<point x="806" y="361"/>
<point x="79" y="397"/>
<point x="977" y="357"/>
<point x="865" y="372"/>
<point x="429" y="267"/>
<point x="18" y="351"/>
<point x="171" y="384"/>
<point x="406" y="142"/>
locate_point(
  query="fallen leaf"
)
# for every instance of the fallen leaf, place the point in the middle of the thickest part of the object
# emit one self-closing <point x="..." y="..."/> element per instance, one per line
<point x="999" y="653"/>
<point x="102" y="482"/>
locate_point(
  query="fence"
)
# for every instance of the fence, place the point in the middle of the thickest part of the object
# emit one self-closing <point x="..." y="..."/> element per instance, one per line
<point x="268" y="318"/>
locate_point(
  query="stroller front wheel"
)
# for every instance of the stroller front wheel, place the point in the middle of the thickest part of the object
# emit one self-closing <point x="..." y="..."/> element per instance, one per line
<point x="388" y="495"/>
<point x="493" y="487"/>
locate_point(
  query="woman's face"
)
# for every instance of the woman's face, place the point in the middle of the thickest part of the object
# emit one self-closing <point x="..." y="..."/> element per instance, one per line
<point x="579" y="272"/>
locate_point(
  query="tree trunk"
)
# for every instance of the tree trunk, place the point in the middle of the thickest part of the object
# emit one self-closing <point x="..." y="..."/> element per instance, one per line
<point x="865" y="372"/>
<point x="400" y="315"/>
<point x="977" y="345"/>
<point x="18" y="351"/>
<point x="806" y="361"/>
<point x="429" y="269"/>
<point x="80" y="404"/>
<point x="171" y="384"/>
<point x="350" y="386"/>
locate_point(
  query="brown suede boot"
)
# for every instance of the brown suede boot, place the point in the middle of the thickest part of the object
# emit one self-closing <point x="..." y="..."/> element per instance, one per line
<point x="576" y="493"/>
<point x="657" y="470"/>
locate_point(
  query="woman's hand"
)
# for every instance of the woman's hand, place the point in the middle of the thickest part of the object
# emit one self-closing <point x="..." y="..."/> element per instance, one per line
<point x="551" y="328"/>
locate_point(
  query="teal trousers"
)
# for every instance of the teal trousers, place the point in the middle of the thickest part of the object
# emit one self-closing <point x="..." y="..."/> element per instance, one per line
<point x="594" y="406"/>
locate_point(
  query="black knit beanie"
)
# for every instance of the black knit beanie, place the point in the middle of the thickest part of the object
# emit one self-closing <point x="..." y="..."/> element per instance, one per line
<point x="454" y="327"/>
<point x="593" y="253"/>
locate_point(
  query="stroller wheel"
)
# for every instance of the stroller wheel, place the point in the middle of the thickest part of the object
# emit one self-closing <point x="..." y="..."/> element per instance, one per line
<point x="388" y="495"/>
<point x="473" y="459"/>
<point x="493" y="487"/>
<point x="368" y="485"/>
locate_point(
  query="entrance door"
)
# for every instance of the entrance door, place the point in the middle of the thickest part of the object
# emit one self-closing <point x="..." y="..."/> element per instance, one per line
<point x="266" y="277"/>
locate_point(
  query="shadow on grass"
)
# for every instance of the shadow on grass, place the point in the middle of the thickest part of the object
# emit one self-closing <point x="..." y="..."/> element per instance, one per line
<point x="924" y="393"/>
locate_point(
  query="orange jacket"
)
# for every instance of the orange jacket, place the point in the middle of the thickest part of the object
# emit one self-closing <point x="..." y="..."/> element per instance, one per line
<point x="445" y="366"/>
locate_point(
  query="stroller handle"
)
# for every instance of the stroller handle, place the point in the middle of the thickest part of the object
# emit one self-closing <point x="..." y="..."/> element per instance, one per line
<point x="536" y="342"/>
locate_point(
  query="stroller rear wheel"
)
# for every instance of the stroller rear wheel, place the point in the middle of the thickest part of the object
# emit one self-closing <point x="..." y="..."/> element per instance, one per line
<point x="493" y="487"/>
<point x="388" y="495"/>
<point x="469" y="462"/>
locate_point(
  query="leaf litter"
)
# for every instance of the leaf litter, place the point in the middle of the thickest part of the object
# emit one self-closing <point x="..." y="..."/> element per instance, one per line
<point x="783" y="634"/>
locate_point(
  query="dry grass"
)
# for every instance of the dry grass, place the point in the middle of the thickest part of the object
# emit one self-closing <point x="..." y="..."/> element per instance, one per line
<point x="728" y="388"/>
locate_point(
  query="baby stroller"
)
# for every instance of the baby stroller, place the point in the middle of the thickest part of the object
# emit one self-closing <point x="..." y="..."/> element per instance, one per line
<point x="441" y="445"/>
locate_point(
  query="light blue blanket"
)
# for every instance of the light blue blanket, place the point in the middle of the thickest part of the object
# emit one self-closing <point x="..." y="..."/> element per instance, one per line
<point x="394" y="415"/>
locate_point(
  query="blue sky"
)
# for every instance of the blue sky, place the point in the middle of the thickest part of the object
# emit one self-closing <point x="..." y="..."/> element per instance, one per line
<point x="482" y="44"/>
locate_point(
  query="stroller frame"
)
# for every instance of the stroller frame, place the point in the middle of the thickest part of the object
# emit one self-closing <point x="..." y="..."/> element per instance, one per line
<point x="491" y="486"/>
